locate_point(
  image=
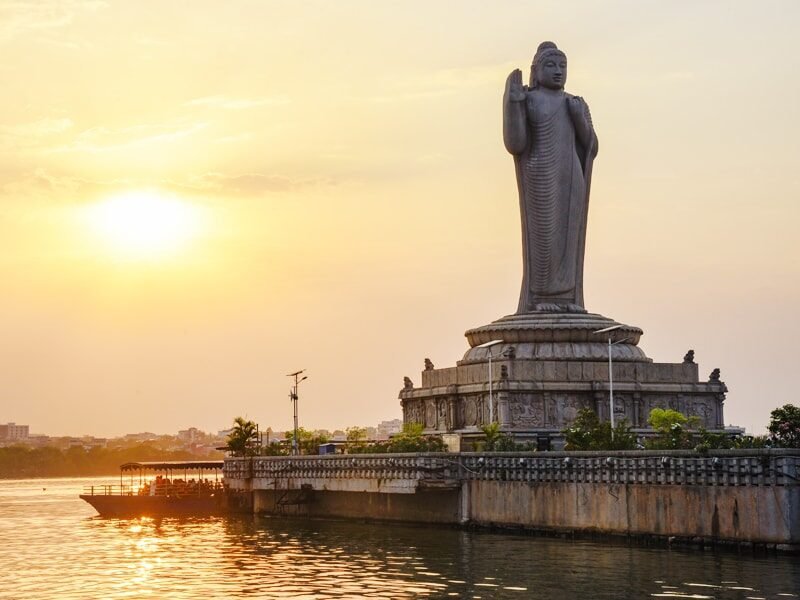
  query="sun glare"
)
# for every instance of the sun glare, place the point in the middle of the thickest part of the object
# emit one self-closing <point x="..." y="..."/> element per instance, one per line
<point x="145" y="225"/>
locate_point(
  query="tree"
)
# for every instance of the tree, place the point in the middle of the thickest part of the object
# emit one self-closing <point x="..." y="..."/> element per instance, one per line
<point x="587" y="432"/>
<point x="710" y="440"/>
<point x="308" y="442"/>
<point x="412" y="439"/>
<point x="672" y="429"/>
<point x="356" y="437"/>
<point x="275" y="449"/>
<point x="784" y="426"/>
<point x="752" y="441"/>
<point x="497" y="441"/>
<point x="243" y="438"/>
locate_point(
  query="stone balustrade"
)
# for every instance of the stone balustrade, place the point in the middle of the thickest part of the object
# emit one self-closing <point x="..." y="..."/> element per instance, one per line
<point x="776" y="467"/>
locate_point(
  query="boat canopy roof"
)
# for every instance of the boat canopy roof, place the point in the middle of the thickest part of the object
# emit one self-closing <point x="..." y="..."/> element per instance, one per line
<point x="172" y="464"/>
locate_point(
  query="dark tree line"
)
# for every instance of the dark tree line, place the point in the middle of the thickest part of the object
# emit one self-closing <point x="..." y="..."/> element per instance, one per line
<point x="17" y="462"/>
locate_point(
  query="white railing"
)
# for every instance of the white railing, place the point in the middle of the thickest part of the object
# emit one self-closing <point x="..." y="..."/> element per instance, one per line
<point x="110" y="490"/>
<point x="179" y="490"/>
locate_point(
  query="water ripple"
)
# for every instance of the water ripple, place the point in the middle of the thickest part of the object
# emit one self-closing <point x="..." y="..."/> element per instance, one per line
<point x="55" y="547"/>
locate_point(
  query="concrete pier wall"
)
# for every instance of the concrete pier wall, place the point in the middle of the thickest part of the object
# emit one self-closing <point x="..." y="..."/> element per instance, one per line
<point x="767" y="515"/>
<point x="736" y="496"/>
<point x="436" y="506"/>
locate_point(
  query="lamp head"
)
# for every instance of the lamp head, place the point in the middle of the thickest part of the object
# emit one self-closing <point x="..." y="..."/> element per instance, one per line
<point x="608" y="329"/>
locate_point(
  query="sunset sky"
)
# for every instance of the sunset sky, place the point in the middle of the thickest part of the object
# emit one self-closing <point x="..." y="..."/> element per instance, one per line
<point x="326" y="188"/>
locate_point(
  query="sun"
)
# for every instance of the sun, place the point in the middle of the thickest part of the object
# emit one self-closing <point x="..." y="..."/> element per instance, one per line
<point x="145" y="225"/>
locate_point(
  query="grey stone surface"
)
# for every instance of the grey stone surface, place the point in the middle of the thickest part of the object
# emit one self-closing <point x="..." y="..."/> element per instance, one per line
<point x="550" y="134"/>
<point x="533" y="396"/>
<point x="560" y="336"/>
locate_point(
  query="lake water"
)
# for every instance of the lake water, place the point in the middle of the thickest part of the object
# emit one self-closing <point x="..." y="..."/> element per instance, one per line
<point x="53" y="546"/>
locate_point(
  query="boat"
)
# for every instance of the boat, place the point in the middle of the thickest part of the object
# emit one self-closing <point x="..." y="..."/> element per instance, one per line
<point x="171" y="488"/>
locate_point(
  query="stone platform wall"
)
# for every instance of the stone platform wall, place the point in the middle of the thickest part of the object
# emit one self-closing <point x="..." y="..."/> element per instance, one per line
<point x="544" y="396"/>
<point x="737" y="496"/>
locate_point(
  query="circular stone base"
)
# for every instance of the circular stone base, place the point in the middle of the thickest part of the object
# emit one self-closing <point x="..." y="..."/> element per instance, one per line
<point x="554" y="336"/>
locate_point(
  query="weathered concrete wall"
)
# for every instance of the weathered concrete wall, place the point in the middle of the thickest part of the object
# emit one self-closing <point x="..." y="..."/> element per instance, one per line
<point x="434" y="506"/>
<point x="737" y="496"/>
<point x="747" y="513"/>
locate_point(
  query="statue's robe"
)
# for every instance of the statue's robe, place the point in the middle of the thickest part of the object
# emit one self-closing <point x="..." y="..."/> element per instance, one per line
<point x="553" y="177"/>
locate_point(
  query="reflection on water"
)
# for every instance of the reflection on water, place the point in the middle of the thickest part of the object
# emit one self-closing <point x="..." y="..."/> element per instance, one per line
<point x="53" y="546"/>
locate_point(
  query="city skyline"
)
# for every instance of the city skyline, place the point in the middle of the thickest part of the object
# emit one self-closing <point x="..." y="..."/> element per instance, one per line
<point x="321" y="203"/>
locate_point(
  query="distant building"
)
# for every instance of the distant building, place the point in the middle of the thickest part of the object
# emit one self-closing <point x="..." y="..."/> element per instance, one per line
<point x="94" y="442"/>
<point x="140" y="437"/>
<point x="12" y="431"/>
<point x="39" y="440"/>
<point x="191" y="435"/>
<point x="205" y="450"/>
<point x="386" y="429"/>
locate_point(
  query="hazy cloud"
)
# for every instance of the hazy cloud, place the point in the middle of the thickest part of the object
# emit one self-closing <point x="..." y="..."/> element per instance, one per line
<point x="41" y="181"/>
<point x="68" y="44"/>
<point x="251" y="183"/>
<point x="153" y="42"/>
<point x="678" y="76"/>
<point x="104" y="139"/>
<point x="234" y="139"/>
<point x="230" y="103"/>
<point x="20" y="17"/>
<point x="442" y="82"/>
<point x="32" y="136"/>
<point x="42" y="127"/>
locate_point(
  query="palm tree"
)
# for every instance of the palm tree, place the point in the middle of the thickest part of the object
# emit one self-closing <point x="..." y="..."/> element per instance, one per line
<point x="243" y="438"/>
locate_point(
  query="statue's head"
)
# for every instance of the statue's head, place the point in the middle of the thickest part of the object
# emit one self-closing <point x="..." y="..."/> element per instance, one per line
<point x="549" y="67"/>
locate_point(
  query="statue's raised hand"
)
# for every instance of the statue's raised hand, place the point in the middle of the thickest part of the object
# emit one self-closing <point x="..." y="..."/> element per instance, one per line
<point x="577" y="107"/>
<point x="514" y="89"/>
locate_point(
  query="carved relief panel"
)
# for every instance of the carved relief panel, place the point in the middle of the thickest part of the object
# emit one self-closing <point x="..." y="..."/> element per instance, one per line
<point x="441" y="414"/>
<point x="563" y="408"/>
<point x="413" y="412"/>
<point x="623" y="408"/>
<point x="526" y="411"/>
<point x="471" y="411"/>
<point x="703" y="409"/>
<point x="430" y="413"/>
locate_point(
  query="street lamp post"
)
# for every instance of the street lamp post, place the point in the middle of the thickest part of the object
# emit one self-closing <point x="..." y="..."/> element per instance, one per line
<point x="293" y="397"/>
<point x="609" y="331"/>
<point x="489" y="346"/>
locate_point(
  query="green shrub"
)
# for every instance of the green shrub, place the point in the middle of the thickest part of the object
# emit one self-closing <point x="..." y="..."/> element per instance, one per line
<point x="497" y="441"/>
<point x="709" y="440"/>
<point x="752" y="441"/>
<point x="672" y="429"/>
<point x="587" y="432"/>
<point x="410" y="439"/>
